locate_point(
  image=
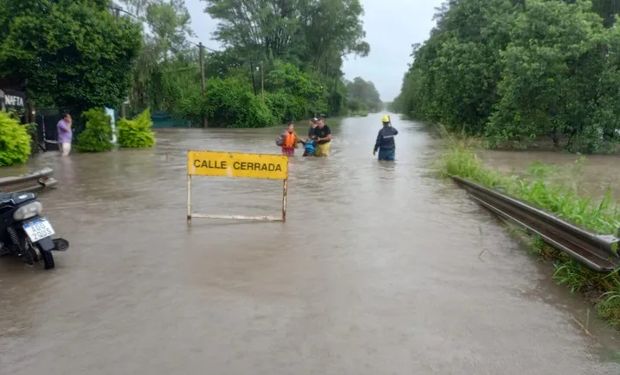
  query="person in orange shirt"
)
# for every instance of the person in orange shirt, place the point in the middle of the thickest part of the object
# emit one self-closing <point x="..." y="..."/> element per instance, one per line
<point x="290" y="139"/>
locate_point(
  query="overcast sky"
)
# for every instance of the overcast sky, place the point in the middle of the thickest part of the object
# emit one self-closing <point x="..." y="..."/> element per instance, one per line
<point x="392" y="26"/>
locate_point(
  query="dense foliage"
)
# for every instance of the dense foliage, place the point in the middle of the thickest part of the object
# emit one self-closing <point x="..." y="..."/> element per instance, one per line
<point x="14" y="141"/>
<point x="363" y="97"/>
<point x="97" y="135"/>
<point x="313" y="33"/>
<point x="230" y="103"/>
<point x="136" y="133"/>
<point x="283" y="58"/>
<point x="72" y="54"/>
<point x="517" y="71"/>
<point x="294" y="94"/>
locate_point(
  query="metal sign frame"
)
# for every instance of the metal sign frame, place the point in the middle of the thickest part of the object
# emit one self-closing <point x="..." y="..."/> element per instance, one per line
<point x="191" y="214"/>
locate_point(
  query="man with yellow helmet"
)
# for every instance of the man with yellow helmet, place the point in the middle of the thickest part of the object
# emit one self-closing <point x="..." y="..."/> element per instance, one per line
<point x="385" y="140"/>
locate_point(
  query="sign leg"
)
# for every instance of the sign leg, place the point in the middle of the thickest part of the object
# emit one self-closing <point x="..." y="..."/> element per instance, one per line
<point x="284" y="200"/>
<point x="189" y="198"/>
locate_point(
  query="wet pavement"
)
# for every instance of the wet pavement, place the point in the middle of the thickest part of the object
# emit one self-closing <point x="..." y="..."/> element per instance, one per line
<point x="380" y="269"/>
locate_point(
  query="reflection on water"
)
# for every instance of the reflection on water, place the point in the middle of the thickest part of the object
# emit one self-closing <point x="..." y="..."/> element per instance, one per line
<point x="381" y="268"/>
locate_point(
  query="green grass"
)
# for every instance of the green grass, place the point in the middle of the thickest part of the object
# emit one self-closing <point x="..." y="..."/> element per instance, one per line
<point x="600" y="216"/>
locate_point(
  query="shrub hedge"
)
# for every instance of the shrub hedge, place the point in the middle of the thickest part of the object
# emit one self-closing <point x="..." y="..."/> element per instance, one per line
<point x="97" y="134"/>
<point x="14" y="141"/>
<point x="136" y="133"/>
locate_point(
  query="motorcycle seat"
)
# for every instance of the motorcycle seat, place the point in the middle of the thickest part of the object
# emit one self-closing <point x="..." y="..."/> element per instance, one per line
<point x="15" y="198"/>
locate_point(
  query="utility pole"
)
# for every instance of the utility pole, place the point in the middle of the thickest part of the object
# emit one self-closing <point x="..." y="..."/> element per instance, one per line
<point x="202" y="79"/>
<point x="262" y="82"/>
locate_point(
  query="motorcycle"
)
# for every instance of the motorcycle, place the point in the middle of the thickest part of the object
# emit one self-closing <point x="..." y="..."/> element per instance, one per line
<point x="26" y="234"/>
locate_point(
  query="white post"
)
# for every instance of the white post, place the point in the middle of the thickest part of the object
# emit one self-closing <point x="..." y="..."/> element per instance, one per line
<point x="110" y="112"/>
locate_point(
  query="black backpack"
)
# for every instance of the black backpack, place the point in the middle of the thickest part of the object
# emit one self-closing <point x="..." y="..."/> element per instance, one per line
<point x="280" y="140"/>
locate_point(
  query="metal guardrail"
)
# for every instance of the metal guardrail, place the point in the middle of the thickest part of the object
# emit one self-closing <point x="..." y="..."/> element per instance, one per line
<point x="29" y="182"/>
<point x="597" y="252"/>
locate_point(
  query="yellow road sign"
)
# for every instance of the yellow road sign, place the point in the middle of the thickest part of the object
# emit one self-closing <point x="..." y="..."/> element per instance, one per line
<point x="229" y="164"/>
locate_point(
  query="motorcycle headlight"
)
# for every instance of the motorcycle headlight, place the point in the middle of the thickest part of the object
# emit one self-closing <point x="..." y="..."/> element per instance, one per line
<point x="27" y="211"/>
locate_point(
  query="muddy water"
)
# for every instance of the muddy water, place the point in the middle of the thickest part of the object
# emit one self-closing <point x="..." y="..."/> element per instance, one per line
<point x="593" y="175"/>
<point x="381" y="269"/>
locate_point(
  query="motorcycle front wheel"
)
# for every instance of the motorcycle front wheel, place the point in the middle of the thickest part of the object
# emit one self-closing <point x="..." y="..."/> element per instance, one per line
<point x="48" y="259"/>
<point x="46" y="256"/>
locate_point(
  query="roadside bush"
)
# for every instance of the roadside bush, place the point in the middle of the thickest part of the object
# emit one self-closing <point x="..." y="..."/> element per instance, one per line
<point x="14" y="141"/>
<point x="286" y="107"/>
<point x="230" y="103"/>
<point x="136" y="133"/>
<point x="97" y="133"/>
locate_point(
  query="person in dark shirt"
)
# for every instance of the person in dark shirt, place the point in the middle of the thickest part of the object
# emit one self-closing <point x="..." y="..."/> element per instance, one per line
<point x="385" y="141"/>
<point x="313" y="125"/>
<point x="323" y="137"/>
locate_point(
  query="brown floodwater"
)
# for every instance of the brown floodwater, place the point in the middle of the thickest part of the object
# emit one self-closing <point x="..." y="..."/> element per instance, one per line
<point x="382" y="268"/>
<point x="592" y="175"/>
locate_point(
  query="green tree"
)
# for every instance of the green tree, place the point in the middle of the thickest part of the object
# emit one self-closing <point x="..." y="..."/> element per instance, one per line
<point x="166" y="64"/>
<point x="363" y="96"/>
<point x="169" y="22"/>
<point x="608" y="9"/>
<point x="333" y="30"/>
<point x="136" y="7"/>
<point x="313" y="31"/>
<point x="517" y="71"/>
<point x="73" y="54"/>
<point x="259" y="29"/>
<point x="311" y="34"/>
<point x="454" y="76"/>
<point x="552" y="79"/>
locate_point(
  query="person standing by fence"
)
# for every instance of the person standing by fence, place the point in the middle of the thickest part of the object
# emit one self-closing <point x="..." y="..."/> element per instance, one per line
<point x="65" y="134"/>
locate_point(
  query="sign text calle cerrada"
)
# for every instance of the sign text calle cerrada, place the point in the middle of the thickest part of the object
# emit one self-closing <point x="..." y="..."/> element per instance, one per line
<point x="228" y="164"/>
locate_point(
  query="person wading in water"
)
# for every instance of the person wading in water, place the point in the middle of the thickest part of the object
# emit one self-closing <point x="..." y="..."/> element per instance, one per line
<point x="313" y="124"/>
<point x="65" y="134"/>
<point x="323" y="136"/>
<point x="290" y="139"/>
<point x="385" y="141"/>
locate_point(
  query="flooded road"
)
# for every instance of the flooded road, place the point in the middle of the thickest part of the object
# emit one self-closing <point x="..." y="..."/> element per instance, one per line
<point x="380" y="269"/>
<point x="592" y="175"/>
